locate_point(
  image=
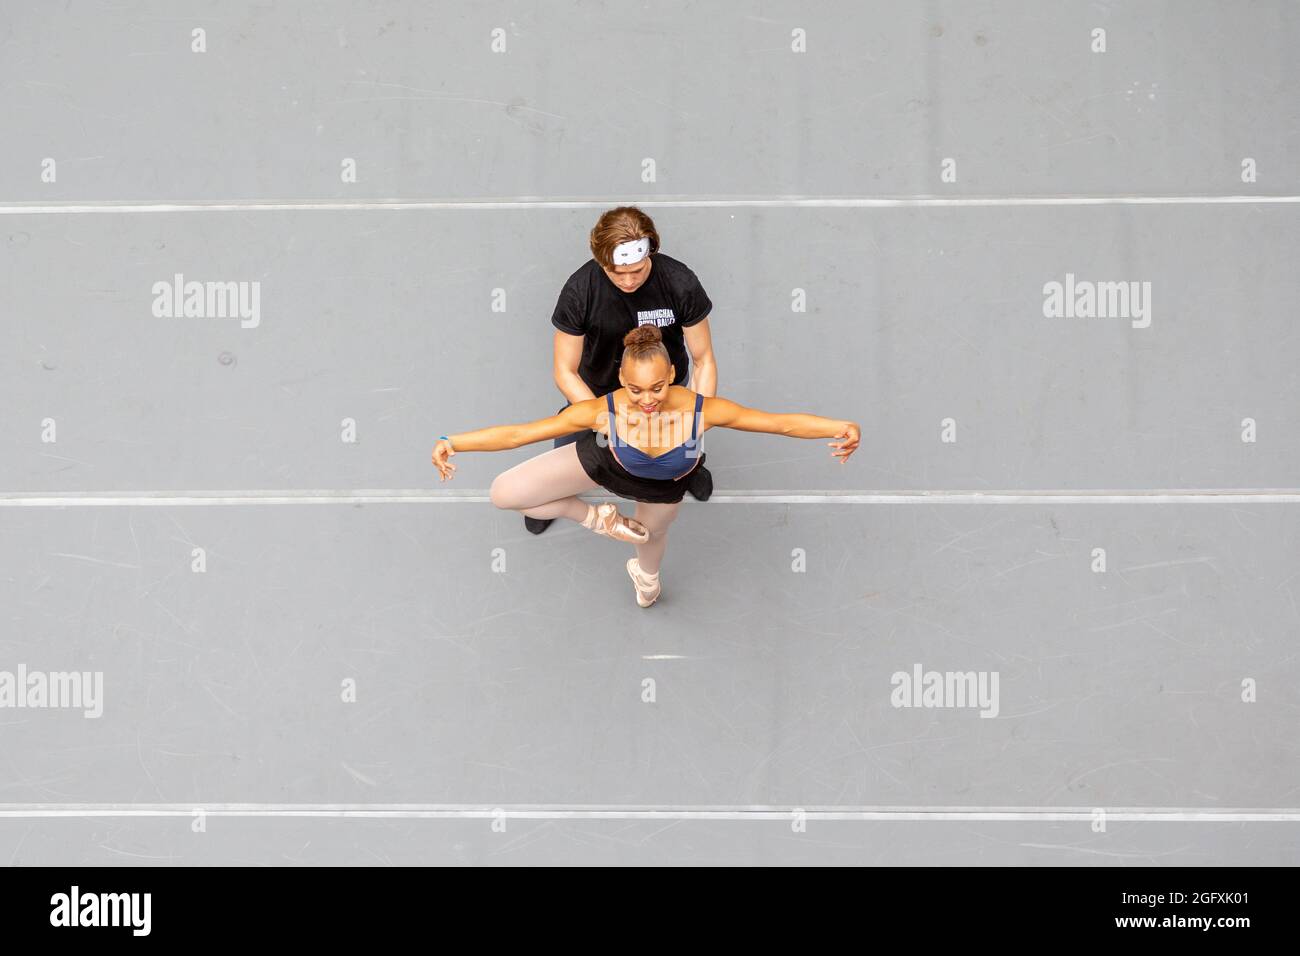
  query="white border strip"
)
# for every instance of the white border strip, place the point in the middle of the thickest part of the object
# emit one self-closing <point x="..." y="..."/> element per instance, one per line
<point x="744" y="814"/>
<point x="528" y="202"/>
<point x="417" y="496"/>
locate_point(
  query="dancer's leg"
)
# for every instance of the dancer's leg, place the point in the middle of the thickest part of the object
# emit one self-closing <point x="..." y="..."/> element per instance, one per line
<point x="656" y="519"/>
<point x="545" y="486"/>
<point x="538" y="525"/>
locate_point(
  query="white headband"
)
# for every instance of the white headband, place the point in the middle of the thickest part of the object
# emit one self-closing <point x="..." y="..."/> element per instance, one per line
<point x="628" y="253"/>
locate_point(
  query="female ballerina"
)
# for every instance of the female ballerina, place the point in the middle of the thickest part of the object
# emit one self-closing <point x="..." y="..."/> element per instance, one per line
<point x="642" y="443"/>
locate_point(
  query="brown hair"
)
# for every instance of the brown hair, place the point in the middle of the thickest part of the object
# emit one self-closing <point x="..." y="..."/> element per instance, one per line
<point x="624" y="224"/>
<point x="643" y="343"/>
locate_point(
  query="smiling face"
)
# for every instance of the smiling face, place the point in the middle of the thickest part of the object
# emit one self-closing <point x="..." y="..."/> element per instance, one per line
<point x="647" y="382"/>
<point x="630" y="278"/>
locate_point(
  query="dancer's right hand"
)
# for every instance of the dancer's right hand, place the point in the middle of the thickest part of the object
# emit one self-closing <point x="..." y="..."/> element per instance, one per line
<point x="441" y="452"/>
<point x="852" y="435"/>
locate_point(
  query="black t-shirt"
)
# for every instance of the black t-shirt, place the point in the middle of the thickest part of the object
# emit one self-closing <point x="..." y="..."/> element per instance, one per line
<point x="593" y="307"/>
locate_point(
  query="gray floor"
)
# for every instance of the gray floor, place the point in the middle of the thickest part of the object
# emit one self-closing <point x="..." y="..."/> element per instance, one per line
<point x="494" y="669"/>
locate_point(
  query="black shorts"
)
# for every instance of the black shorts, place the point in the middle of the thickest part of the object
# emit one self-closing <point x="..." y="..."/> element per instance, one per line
<point x="603" y="468"/>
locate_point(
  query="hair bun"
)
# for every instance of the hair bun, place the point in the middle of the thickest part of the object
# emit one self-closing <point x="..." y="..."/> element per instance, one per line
<point x="643" y="335"/>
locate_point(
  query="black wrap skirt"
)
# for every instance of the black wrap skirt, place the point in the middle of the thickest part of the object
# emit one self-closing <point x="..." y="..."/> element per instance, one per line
<point x="603" y="468"/>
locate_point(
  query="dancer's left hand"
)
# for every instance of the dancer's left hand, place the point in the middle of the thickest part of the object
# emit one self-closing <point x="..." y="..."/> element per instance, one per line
<point x="851" y="435"/>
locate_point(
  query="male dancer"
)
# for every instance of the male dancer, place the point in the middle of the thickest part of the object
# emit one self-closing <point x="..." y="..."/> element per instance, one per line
<point x="628" y="283"/>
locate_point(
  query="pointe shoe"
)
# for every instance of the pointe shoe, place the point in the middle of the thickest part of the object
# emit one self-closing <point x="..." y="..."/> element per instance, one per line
<point x="647" y="585"/>
<point x="605" y="519"/>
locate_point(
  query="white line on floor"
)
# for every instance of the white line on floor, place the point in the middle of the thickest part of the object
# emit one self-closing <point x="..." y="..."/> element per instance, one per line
<point x="380" y="496"/>
<point x="524" y="202"/>
<point x="736" y="813"/>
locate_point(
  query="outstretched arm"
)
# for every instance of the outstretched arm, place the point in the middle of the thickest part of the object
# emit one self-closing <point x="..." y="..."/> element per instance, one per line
<point x="500" y="437"/>
<point x="722" y="413"/>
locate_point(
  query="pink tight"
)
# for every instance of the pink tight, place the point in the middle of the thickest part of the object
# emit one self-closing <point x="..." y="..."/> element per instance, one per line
<point x="548" y="485"/>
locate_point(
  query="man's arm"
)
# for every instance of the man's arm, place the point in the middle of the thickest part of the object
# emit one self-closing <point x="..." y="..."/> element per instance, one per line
<point x="568" y="356"/>
<point x="699" y="342"/>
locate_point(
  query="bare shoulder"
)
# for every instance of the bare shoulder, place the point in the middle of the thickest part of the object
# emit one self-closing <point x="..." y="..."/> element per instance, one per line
<point x="586" y="413"/>
<point x="718" y="411"/>
<point x="681" y="395"/>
